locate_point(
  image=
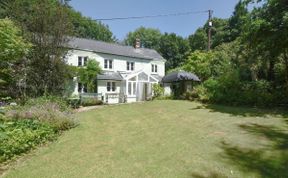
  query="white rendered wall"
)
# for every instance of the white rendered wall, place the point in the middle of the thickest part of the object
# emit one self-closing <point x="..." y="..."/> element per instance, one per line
<point x="167" y="89"/>
<point x="119" y="62"/>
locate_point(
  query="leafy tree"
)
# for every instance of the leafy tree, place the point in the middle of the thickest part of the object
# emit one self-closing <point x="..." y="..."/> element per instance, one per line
<point x="12" y="50"/>
<point x="46" y="24"/>
<point x="199" y="40"/>
<point x="174" y="49"/>
<point x="150" y="38"/>
<point x="88" y="74"/>
<point x="220" y="34"/>
<point x="238" y="20"/>
<point x="85" y="27"/>
<point x="266" y="30"/>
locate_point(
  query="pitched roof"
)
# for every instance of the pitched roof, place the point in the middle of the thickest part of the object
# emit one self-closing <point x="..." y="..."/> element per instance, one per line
<point x="180" y="76"/>
<point x="115" y="49"/>
<point x="109" y="75"/>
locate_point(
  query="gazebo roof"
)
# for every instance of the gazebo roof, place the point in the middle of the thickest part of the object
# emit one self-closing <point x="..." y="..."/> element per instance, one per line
<point x="180" y="76"/>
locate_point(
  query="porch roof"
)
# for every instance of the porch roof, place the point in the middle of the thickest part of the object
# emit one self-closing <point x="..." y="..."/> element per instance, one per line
<point x="109" y="75"/>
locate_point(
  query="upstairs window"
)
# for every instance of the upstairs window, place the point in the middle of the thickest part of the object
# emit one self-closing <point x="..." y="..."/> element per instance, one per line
<point x="108" y="64"/>
<point x="82" y="61"/>
<point x="154" y="68"/>
<point x="111" y="86"/>
<point x="130" y="66"/>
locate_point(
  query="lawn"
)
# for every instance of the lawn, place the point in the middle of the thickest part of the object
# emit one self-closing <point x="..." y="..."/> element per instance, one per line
<point x="166" y="139"/>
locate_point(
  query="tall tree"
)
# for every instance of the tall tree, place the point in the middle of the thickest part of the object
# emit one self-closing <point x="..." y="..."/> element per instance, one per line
<point x="12" y="50"/>
<point x="220" y="34"/>
<point x="266" y="31"/>
<point x="150" y="38"/>
<point x="237" y="21"/>
<point x="174" y="49"/>
<point x="46" y="24"/>
<point x="85" y="27"/>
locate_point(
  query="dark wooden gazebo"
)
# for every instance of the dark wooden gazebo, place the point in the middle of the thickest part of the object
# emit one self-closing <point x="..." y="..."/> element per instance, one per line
<point x="177" y="83"/>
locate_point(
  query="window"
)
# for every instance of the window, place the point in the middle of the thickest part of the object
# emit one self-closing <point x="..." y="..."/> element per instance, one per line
<point x="154" y="68"/>
<point x="82" y="61"/>
<point x="85" y="61"/>
<point x="132" y="88"/>
<point x="130" y="66"/>
<point x="85" y="90"/>
<point x="82" y="88"/>
<point x="108" y="64"/>
<point x="79" y="61"/>
<point x="79" y="87"/>
<point x="111" y="86"/>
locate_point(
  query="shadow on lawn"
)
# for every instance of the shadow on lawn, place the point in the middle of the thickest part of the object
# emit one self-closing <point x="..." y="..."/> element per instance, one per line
<point x="270" y="161"/>
<point x="245" y="111"/>
<point x="211" y="175"/>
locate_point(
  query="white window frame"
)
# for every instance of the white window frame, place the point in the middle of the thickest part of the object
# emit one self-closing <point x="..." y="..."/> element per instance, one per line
<point x="154" y="68"/>
<point x="129" y="66"/>
<point x="109" y="61"/>
<point x="111" y="87"/>
<point x="83" y="60"/>
<point x="133" y="88"/>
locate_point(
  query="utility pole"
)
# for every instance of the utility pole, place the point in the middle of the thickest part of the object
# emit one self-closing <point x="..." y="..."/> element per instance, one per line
<point x="210" y="24"/>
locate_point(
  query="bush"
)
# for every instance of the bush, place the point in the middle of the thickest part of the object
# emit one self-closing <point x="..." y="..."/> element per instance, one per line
<point x="158" y="91"/>
<point x="17" y="137"/>
<point x="39" y="120"/>
<point x="91" y="102"/>
<point x="52" y="111"/>
<point x="73" y="102"/>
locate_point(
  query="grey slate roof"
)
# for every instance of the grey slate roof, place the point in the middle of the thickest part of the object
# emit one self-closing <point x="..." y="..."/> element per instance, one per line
<point x="180" y="76"/>
<point x="115" y="49"/>
<point x="107" y="75"/>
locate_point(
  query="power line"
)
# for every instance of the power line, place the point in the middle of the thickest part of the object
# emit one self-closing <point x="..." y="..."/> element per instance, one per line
<point x="152" y="16"/>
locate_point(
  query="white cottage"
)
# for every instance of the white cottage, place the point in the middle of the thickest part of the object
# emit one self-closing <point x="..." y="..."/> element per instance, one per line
<point x="128" y="72"/>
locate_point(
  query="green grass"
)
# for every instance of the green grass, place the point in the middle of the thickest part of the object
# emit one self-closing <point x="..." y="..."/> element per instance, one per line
<point x="166" y="139"/>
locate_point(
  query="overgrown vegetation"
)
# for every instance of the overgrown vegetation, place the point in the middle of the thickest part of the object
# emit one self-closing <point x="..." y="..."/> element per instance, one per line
<point x="158" y="91"/>
<point x="34" y="37"/>
<point x="38" y="121"/>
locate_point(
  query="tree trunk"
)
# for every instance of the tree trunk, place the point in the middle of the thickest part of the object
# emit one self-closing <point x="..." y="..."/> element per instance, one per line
<point x="271" y="72"/>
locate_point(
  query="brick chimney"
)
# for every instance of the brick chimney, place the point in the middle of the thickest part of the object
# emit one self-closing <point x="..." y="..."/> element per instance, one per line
<point x="137" y="43"/>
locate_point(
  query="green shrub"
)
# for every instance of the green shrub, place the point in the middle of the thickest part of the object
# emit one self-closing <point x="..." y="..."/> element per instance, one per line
<point x="54" y="112"/>
<point x="158" y="91"/>
<point x="17" y="137"/>
<point x="73" y="102"/>
<point x="25" y="126"/>
<point x="91" y="102"/>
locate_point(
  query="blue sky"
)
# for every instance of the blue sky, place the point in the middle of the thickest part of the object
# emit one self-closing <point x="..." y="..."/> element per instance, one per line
<point x="181" y="25"/>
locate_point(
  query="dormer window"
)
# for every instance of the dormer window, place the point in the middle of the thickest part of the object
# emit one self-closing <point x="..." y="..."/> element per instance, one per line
<point x="130" y="66"/>
<point x="82" y="61"/>
<point x="154" y="68"/>
<point x="108" y="64"/>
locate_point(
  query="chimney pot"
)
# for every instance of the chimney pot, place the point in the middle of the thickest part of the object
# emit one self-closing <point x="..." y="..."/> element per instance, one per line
<point x="137" y="43"/>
